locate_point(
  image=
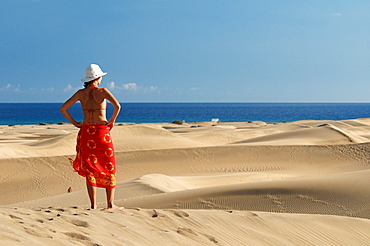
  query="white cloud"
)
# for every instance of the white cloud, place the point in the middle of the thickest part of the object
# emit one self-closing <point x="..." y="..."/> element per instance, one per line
<point x="134" y="87"/>
<point x="130" y="86"/>
<point x="337" y="14"/>
<point x="150" y="89"/>
<point x="70" y="88"/>
<point x="193" y="89"/>
<point x="48" y="89"/>
<point x="112" y="85"/>
<point x="10" y="87"/>
<point x="41" y="90"/>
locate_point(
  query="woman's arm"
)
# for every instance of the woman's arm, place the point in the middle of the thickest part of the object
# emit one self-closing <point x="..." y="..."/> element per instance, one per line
<point x="67" y="105"/>
<point x="116" y="105"/>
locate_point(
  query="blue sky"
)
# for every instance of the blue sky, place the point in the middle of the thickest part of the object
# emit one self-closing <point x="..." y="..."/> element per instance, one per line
<point x="187" y="50"/>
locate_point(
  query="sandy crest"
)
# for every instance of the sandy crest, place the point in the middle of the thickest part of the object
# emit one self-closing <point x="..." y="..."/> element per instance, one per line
<point x="256" y="183"/>
<point x="77" y="226"/>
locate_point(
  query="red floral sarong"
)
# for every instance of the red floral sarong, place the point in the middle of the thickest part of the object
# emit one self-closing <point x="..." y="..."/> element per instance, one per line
<point x="95" y="158"/>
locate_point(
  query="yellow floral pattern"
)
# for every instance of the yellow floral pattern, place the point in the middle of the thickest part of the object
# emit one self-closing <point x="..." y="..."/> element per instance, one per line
<point x="95" y="157"/>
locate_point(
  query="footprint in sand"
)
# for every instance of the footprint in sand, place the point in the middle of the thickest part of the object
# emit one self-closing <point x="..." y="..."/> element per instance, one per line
<point x="76" y="222"/>
<point x="15" y="217"/>
<point x="211" y="238"/>
<point x="186" y="231"/>
<point x="79" y="236"/>
<point x="179" y="213"/>
<point x="37" y="233"/>
<point x="80" y="223"/>
<point x="155" y="214"/>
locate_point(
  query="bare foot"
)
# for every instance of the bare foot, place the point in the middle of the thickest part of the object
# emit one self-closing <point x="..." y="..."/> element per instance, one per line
<point x="116" y="207"/>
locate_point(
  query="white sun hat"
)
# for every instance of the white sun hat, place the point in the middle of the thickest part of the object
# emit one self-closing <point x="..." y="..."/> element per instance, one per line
<point x="92" y="72"/>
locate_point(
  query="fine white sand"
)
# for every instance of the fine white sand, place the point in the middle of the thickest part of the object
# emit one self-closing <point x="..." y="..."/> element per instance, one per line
<point x="256" y="183"/>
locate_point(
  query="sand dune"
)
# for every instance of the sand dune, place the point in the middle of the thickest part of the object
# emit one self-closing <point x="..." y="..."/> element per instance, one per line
<point x="339" y="194"/>
<point x="324" y="134"/>
<point x="206" y="183"/>
<point x="66" y="226"/>
<point x="320" y="195"/>
<point x="77" y="226"/>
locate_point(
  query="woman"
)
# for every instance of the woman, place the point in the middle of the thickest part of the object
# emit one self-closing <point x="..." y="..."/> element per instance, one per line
<point x="95" y="158"/>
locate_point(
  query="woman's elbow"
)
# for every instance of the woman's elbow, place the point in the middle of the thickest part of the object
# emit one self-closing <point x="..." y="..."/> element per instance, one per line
<point x="63" y="109"/>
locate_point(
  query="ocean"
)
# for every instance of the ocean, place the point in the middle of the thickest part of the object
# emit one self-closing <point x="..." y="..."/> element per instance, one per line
<point x="35" y="113"/>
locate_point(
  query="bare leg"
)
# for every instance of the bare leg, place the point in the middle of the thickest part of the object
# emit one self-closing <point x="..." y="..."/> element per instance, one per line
<point x="91" y="190"/>
<point x="110" y="199"/>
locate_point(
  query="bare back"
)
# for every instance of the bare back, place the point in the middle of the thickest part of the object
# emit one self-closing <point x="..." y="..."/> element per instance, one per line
<point x="93" y="105"/>
<point x="93" y="102"/>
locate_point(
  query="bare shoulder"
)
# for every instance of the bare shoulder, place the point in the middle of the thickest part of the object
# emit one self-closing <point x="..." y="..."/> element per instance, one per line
<point x="105" y="91"/>
<point x="109" y="96"/>
<point x="79" y="93"/>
